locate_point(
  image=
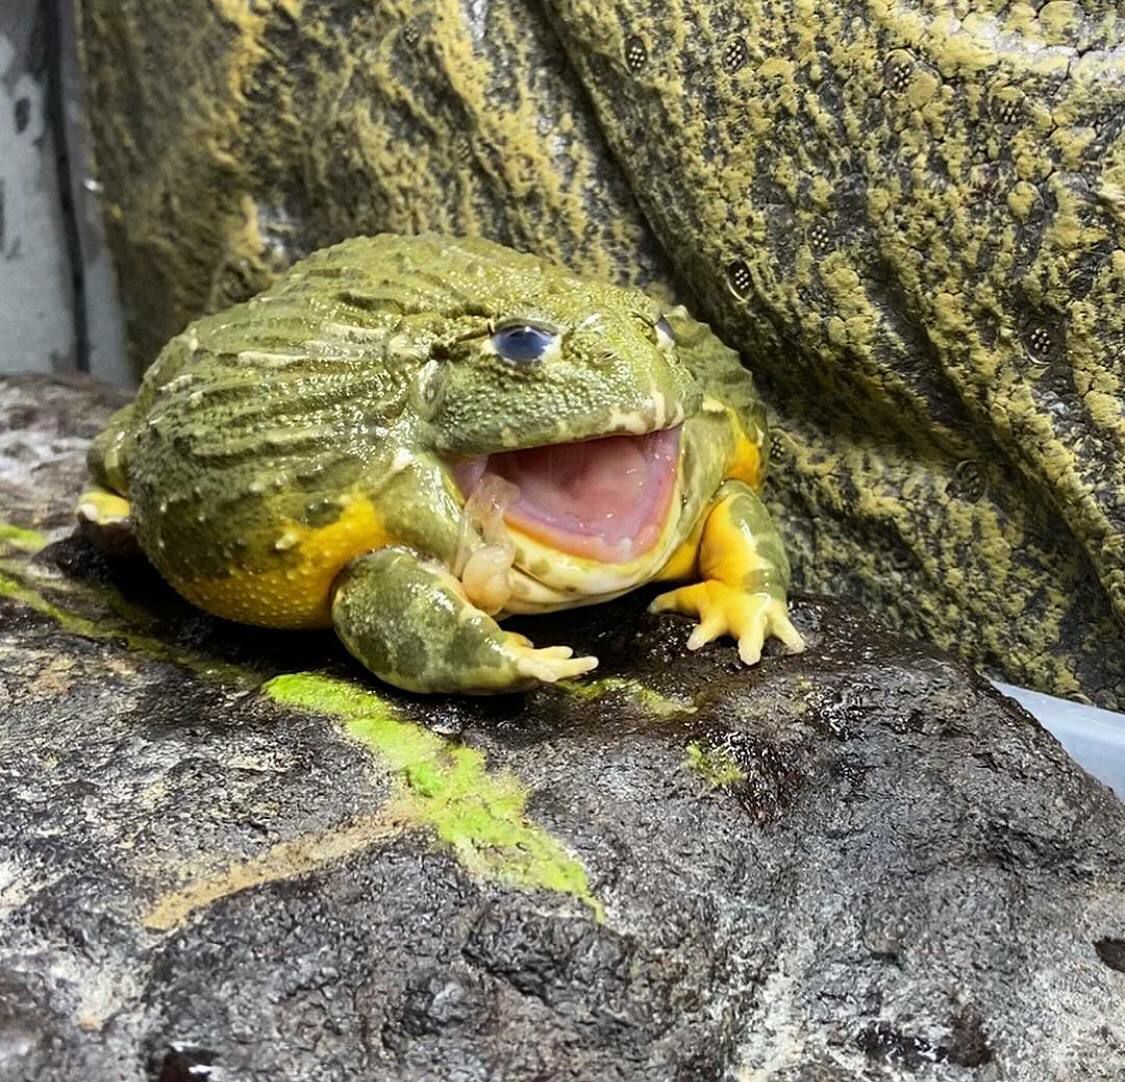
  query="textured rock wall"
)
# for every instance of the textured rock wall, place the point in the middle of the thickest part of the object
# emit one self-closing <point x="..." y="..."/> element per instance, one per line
<point x="234" y="137"/>
<point x="908" y="217"/>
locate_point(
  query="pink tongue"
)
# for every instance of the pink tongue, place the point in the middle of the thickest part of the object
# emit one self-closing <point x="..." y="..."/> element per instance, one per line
<point x="604" y="499"/>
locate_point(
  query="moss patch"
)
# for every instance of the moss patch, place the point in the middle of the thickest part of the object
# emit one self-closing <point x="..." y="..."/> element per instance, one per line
<point x="716" y="766"/>
<point x="21" y="538"/>
<point x="649" y="699"/>
<point x="446" y="787"/>
<point x="16" y="587"/>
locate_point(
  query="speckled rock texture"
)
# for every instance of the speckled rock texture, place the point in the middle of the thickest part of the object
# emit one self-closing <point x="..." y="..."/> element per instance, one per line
<point x="909" y="217"/>
<point x="227" y="854"/>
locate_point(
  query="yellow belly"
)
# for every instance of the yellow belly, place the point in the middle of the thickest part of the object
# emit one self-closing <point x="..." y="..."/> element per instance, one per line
<point x="298" y="592"/>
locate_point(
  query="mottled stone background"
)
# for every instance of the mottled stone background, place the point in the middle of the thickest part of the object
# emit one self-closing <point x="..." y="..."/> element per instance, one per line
<point x="908" y="216"/>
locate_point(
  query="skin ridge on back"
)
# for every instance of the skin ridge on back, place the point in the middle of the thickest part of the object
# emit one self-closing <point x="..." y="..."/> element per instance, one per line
<point x="307" y="378"/>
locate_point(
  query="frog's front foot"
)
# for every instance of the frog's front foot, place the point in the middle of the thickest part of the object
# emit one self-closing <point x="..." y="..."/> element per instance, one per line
<point x="726" y="610"/>
<point x="104" y="517"/>
<point x="410" y="622"/>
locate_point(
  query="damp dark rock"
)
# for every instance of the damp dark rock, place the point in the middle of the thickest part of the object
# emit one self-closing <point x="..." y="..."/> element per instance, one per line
<point x="861" y="863"/>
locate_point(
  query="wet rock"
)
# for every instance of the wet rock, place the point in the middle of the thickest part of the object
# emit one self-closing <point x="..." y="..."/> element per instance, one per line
<point x="908" y="221"/>
<point x="230" y="854"/>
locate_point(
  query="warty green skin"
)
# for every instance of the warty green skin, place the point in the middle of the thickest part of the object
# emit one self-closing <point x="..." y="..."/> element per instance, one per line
<point x="363" y="373"/>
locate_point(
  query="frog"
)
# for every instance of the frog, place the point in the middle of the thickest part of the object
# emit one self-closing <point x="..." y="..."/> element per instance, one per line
<point x="411" y="439"/>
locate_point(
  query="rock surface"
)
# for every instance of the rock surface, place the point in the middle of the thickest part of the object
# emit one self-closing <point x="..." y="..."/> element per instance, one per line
<point x="907" y="218"/>
<point x="230" y="855"/>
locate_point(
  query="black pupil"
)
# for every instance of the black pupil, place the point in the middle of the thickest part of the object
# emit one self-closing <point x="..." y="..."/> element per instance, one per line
<point x="522" y="343"/>
<point x="665" y="328"/>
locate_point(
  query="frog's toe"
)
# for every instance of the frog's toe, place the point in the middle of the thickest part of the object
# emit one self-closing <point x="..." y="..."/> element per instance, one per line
<point x="726" y="610"/>
<point x="752" y="637"/>
<point x="760" y="616"/>
<point x="707" y="631"/>
<point x="670" y="601"/>
<point x="549" y="670"/>
<point x="104" y="517"/>
<point x="710" y="601"/>
<point x="549" y="664"/>
<point x="782" y="627"/>
<point x="556" y="651"/>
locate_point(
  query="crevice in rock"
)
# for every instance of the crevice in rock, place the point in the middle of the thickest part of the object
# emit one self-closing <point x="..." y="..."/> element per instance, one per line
<point x="1112" y="952"/>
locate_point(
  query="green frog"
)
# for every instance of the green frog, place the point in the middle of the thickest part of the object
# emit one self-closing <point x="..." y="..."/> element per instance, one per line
<point x="408" y="439"/>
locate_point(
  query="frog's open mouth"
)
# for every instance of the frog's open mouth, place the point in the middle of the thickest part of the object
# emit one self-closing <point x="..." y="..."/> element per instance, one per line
<point x="604" y="499"/>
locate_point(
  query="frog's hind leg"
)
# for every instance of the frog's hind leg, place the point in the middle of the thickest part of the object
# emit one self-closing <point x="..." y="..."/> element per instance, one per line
<point x="408" y="620"/>
<point x="103" y="509"/>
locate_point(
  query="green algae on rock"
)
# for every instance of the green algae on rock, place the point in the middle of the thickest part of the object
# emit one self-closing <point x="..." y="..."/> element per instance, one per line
<point x="18" y="585"/>
<point x="716" y="766"/>
<point x="647" y="699"/>
<point x="21" y="538"/>
<point x="480" y="815"/>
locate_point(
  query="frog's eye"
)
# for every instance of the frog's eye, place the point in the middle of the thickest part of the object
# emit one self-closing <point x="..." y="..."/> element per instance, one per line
<point x="664" y="334"/>
<point x="522" y="344"/>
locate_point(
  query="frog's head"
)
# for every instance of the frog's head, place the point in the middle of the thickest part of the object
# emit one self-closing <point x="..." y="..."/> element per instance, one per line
<point x="575" y="393"/>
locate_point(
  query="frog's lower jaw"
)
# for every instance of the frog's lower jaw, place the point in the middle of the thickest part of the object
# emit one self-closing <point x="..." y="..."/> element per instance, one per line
<point x="604" y="500"/>
<point x="543" y="579"/>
